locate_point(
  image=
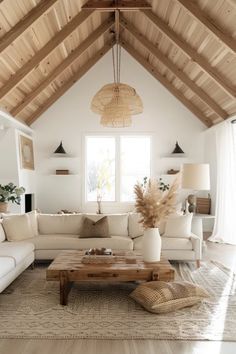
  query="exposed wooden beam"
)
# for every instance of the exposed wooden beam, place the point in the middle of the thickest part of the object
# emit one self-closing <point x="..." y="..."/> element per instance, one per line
<point x="44" y="52"/>
<point x="25" y="23"/>
<point x="154" y="72"/>
<point x="173" y="68"/>
<point x="191" y="53"/>
<point x="111" y="5"/>
<point x="64" y="65"/>
<point x="83" y="70"/>
<point x="210" y="24"/>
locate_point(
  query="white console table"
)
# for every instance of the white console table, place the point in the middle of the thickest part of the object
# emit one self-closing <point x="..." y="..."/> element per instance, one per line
<point x="197" y="223"/>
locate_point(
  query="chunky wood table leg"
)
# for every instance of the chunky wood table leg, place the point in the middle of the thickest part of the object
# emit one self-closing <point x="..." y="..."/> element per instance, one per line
<point x="65" y="287"/>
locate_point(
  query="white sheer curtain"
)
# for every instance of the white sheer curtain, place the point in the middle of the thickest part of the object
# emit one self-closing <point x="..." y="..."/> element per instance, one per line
<point x="225" y="223"/>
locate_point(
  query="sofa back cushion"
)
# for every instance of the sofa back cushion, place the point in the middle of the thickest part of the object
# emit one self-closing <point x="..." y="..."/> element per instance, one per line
<point x="2" y="233"/>
<point x="135" y="228"/>
<point x="17" y="227"/>
<point x="59" y="223"/>
<point x="117" y="223"/>
<point x="33" y="216"/>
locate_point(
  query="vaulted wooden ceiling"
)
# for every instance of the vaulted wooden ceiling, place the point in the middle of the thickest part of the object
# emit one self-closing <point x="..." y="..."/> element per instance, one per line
<point x="187" y="45"/>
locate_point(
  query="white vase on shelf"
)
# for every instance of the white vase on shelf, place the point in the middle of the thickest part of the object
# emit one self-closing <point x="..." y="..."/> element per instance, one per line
<point x="151" y="247"/>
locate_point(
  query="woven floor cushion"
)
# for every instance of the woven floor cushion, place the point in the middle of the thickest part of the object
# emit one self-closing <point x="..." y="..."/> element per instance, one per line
<point x="161" y="297"/>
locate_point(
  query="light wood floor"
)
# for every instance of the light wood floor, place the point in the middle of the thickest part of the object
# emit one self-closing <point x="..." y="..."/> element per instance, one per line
<point x="225" y="254"/>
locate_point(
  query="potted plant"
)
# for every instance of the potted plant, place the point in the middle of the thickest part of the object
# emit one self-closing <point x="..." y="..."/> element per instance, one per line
<point x="10" y="193"/>
<point x="154" y="205"/>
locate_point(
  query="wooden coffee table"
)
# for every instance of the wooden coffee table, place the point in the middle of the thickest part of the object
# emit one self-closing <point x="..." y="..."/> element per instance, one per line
<point x="68" y="268"/>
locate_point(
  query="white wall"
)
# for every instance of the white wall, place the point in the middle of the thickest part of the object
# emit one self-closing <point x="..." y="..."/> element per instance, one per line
<point x="70" y="118"/>
<point x="10" y="167"/>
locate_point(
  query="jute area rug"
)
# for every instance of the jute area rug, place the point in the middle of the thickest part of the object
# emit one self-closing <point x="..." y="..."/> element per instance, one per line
<point x="30" y="308"/>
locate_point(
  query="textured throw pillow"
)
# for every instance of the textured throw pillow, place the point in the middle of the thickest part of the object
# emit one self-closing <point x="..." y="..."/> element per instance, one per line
<point x="17" y="227"/>
<point x="178" y="226"/>
<point x="91" y="229"/>
<point x="161" y="297"/>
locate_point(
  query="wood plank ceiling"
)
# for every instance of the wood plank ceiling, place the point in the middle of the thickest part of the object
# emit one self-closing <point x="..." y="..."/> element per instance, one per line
<point x="187" y="45"/>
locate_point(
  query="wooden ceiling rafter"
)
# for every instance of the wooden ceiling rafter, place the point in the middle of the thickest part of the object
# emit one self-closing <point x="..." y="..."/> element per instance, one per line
<point x="85" y="45"/>
<point x="154" y="72"/>
<point x="44" y="52"/>
<point x="60" y="92"/>
<point x="209" y="23"/>
<point x="179" y="73"/>
<point x="192" y="54"/>
<point x="112" y="5"/>
<point x="25" y="23"/>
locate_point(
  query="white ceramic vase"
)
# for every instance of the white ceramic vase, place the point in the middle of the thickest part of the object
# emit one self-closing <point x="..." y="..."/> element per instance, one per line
<point x="151" y="245"/>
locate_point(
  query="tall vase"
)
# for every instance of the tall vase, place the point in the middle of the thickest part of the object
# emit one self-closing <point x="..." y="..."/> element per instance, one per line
<point x="151" y="247"/>
<point x="3" y="207"/>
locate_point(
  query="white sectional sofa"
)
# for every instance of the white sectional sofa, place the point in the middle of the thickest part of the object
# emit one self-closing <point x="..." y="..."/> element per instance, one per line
<point x="43" y="236"/>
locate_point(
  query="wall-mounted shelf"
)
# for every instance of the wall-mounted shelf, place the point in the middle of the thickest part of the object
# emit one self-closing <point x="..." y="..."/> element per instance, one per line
<point x="174" y="156"/>
<point x="69" y="175"/>
<point x="63" y="157"/>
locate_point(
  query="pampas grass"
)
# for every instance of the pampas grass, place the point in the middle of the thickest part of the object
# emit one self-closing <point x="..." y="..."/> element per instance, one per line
<point x="152" y="204"/>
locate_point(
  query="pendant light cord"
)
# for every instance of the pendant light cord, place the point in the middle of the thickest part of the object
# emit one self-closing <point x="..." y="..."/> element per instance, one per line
<point x="116" y="57"/>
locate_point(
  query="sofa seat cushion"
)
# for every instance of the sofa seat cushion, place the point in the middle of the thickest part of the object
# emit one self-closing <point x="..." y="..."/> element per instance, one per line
<point x="65" y="242"/>
<point x="16" y="250"/>
<point x="60" y="223"/>
<point x="168" y="243"/>
<point x="7" y="264"/>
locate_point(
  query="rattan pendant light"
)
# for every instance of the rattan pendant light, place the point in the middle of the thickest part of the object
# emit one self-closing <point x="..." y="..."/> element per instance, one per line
<point x="116" y="102"/>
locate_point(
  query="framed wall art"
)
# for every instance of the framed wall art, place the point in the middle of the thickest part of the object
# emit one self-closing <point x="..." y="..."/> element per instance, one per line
<point x="26" y="153"/>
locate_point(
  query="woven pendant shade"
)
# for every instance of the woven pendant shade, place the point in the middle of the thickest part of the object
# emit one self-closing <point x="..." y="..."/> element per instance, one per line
<point x="105" y="95"/>
<point x="116" y="114"/>
<point x="116" y="103"/>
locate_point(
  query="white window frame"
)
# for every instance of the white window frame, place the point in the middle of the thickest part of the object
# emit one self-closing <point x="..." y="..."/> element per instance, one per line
<point x="117" y="137"/>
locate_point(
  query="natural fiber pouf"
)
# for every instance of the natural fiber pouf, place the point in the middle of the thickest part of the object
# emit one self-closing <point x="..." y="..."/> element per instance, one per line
<point x="161" y="297"/>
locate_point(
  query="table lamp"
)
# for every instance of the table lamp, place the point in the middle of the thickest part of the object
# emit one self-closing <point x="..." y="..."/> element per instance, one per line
<point x="195" y="176"/>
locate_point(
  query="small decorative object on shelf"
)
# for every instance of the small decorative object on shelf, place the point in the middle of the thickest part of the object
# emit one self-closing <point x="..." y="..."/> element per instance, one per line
<point x="177" y="149"/>
<point x="60" y="149"/>
<point x="172" y="171"/>
<point x="62" y="172"/>
<point x="10" y="193"/>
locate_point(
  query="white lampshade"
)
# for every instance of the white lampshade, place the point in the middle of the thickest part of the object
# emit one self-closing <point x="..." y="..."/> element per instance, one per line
<point x="196" y="176"/>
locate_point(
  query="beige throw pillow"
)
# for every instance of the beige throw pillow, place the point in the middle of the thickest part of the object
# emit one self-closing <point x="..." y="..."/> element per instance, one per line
<point x="178" y="226"/>
<point x="161" y="297"/>
<point x="18" y="227"/>
<point x="91" y="228"/>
